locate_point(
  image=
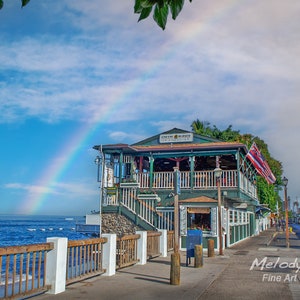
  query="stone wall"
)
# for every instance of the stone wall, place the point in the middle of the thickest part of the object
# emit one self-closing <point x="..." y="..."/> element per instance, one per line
<point x="118" y="224"/>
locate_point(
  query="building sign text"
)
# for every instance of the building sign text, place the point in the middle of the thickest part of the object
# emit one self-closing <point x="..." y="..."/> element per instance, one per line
<point x="176" y="137"/>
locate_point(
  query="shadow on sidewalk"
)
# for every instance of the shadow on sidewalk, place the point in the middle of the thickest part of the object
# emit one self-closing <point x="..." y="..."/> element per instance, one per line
<point x="140" y="276"/>
<point x="279" y="240"/>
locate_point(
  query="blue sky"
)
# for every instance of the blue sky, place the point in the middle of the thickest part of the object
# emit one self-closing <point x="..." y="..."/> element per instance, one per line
<point x="78" y="73"/>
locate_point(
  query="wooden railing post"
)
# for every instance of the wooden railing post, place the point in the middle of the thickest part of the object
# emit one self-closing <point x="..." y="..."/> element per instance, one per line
<point x="57" y="265"/>
<point x="163" y="245"/>
<point x="109" y="254"/>
<point x="142" y="247"/>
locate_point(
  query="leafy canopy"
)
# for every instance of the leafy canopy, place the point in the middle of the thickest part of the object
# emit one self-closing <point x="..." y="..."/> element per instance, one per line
<point x="24" y="2"/>
<point x="161" y="10"/>
<point x="145" y="7"/>
<point x="267" y="193"/>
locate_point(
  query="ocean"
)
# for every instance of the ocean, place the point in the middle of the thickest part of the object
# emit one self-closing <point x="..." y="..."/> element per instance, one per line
<point x="16" y="230"/>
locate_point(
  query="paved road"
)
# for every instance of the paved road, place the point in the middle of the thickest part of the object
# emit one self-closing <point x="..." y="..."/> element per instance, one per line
<point x="244" y="272"/>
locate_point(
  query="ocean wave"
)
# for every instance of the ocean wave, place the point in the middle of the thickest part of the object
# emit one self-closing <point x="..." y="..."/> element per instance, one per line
<point x="10" y="278"/>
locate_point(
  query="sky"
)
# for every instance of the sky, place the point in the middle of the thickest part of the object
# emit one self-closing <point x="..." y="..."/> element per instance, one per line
<point x="74" y="74"/>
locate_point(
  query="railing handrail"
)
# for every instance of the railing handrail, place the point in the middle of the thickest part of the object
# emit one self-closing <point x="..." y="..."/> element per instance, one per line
<point x="10" y="250"/>
<point x="126" y="252"/>
<point x="129" y="237"/>
<point x="75" y="243"/>
<point x="153" y="243"/>
<point x="27" y="265"/>
<point x="84" y="259"/>
<point x="153" y="233"/>
<point x="165" y="179"/>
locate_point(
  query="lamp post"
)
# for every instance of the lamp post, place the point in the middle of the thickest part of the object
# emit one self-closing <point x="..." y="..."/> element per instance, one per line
<point x="99" y="162"/>
<point x="218" y="174"/>
<point x="175" y="257"/>
<point x="285" y="182"/>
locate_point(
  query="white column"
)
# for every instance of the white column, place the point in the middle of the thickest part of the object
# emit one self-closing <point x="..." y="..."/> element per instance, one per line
<point x="163" y="242"/>
<point x="142" y="248"/>
<point x="57" y="265"/>
<point x="109" y="254"/>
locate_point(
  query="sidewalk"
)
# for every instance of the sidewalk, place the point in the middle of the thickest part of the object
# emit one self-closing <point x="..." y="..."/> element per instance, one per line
<point x="221" y="277"/>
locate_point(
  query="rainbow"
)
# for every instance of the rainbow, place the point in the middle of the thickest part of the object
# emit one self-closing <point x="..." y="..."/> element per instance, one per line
<point x="70" y="149"/>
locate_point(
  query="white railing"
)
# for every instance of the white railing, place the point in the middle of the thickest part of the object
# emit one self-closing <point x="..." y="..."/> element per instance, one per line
<point x="247" y="186"/>
<point x="165" y="218"/>
<point x="129" y="198"/>
<point x="185" y="180"/>
<point x="143" y="179"/>
<point x="163" y="180"/>
<point x="110" y="200"/>
<point x="147" y="210"/>
<point x="202" y="179"/>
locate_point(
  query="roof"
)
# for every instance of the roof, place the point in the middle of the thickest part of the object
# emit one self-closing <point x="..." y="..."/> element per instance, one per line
<point x="153" y="144"/>
<point x="187" y="146"/>
<point x="201" y="199"/>
<point x="154" y="139"/>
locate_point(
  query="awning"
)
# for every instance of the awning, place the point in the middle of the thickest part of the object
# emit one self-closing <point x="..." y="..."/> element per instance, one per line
<point x="262" y="210"/>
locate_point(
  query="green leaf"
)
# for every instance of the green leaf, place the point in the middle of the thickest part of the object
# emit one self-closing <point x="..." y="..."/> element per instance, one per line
<point x="25" y="2"/>
<point x="137" y="6"/>
<point x="145" y="13"/>
<point x="148" y="3"/>
<point x="161" y="10"/>
<point x="141" y="4"/>
<point x="162" y="3"/>
<point x="176" y="7"/>
<point x="160" y="15"/>
<point x="1" y="4"/>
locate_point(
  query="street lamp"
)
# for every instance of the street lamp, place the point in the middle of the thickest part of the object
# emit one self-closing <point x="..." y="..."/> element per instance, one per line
<point x="97" y="162"/>
<point x="218" y="174"/>
<point x="285" y="182"/>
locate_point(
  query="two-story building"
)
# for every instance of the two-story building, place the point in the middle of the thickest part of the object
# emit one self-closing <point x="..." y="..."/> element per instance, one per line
<point x="137" y="181"/>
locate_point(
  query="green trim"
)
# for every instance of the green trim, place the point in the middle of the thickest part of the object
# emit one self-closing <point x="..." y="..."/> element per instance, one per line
<point x="194" y="153"/>
<point x="238" y="173"/>
<point x="192" y="167"/>
<point x="151" y="161"/>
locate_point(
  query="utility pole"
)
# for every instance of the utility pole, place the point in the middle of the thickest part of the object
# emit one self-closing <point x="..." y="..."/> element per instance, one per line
<point x="175" y="257"/>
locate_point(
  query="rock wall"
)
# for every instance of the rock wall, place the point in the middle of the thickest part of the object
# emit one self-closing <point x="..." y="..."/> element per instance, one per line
<point x="118" y="224"/>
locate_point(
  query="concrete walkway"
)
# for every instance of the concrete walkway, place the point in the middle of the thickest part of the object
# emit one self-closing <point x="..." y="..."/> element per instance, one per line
<point x="259" y="268"/>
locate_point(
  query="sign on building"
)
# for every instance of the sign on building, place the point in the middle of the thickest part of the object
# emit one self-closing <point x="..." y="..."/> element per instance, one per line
<point x="176" y="137"/>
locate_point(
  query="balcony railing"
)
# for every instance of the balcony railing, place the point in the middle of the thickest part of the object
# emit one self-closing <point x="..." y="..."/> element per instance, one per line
<point x="200" y="180"/>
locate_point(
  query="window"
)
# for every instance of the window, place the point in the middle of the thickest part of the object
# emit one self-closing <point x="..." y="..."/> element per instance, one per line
<point x="199" y="218"/>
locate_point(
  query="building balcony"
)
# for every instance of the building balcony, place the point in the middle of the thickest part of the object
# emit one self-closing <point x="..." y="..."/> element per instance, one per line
<point x="198" y="180"/>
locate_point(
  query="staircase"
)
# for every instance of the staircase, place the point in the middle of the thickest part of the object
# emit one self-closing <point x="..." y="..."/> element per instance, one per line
<point x="142" y="210"/>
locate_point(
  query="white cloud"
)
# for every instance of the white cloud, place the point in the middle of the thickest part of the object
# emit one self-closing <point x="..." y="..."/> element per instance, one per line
<point x="227" y="62"/>
<point x="31" y="189"/>
<point x="67" y="190"/>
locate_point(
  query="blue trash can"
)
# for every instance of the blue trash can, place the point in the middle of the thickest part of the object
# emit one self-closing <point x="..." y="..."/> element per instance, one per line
<point x="194" y="237"/>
